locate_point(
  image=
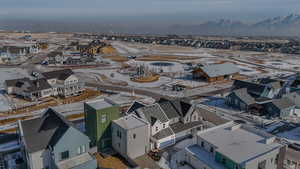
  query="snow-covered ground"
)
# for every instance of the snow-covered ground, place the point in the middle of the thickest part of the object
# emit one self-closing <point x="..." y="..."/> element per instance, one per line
<point x="4" y="103"/>
<point x="11" y="73"/>
<point x="175" y="67"/>
<point x="126" y="78"/>
<point x="125" y="49"/>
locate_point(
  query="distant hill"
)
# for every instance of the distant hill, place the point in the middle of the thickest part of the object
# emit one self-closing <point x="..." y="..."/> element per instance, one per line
<point x="277" y="26"/>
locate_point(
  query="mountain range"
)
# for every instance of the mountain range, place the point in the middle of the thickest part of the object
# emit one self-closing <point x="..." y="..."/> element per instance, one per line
<point x="276" y="26"/>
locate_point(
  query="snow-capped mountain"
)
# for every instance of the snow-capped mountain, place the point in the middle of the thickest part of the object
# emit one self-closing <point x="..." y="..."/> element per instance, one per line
<point x="293" y="19"/>
<point x="276" y="26"/>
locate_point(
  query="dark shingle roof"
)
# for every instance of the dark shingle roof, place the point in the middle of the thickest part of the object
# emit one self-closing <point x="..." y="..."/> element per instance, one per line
<point x="44" y="131"/>
<point x="153" y="111"/>
<point x="58" y="74"/>
<point x="134" y="107"/>
<point x="179" y="127"/>
<point x="39" y="84"/>
<point x="163" y="133"/>
<point x="169" y="109"/>
<point x="252" y="88"/>
<point x="270" y="82"/>
<point x="181" y="106"/>
<point x="31" y="85"/>
<point x="244" y="96"/>
<point x="16" y="82"/>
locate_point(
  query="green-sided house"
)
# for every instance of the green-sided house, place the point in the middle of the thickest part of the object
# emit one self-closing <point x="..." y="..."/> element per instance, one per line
<point x="98" y="117"/>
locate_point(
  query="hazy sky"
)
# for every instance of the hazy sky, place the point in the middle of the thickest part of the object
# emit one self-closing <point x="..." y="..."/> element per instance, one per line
<point x="247" y="10"/>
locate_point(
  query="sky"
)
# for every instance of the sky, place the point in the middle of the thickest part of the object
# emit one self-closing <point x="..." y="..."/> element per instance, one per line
<point x="177" y="11"/>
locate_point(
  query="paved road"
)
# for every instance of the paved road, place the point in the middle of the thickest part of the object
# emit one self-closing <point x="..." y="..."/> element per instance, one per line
<point x="157" y="94"/>
<point x="264" y="66"/>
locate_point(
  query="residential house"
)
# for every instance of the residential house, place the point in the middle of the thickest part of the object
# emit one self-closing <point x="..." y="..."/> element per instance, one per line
<point x="233" y="146"/>
<point x="240" y="99"/>
<point x="29" y="89"/>
<point x="60" y="82"/>
<point x="131" y="136"/>
<point x="98" y="116"/>
<point x="276" y="85"/>
<point x="64" y="82"/>
<point x="279" y="107"/>
<point x="170" y="121"/>
<point x="52" y="142"/>
<point x="256" y="89"/>
<point x="55" y="57"/>
<point x="216" y="72"/>
<point x="291" y="158"/>
<point x="294" y="97"/>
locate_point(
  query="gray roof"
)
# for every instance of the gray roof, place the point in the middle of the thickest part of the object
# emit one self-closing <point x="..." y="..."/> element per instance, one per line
<point x="244" y="96"/>
<point x="152" y="113"/>
<point x="130" y="122"/>
<point x="239" y="143"/>
<point x="29" y="85"/>
<point x="216" y="70"/>
<point x="169" y="109"/>
<point x="99" y="104"/>
<point x="182" y="106"/>
<point x="283" y="103"/>
<point x="46" y="130"/>
<point x="163" y="133"/>
<point x="179" y="127"/>
<point x="252" y="88"/>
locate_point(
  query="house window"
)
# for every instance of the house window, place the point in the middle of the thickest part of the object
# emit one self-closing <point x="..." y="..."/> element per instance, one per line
<point x="134" y="136"/>
<point x="195" y="117"/>
<point x="211" y="149"/>
<point x="103" y="118"/>
<point x="223" y="161"/>
<point x="82" y="149"/>
<point x="202" y="144"/>
<point x="119" y="134"/>
<point x="156" y="128"/>
<point x="64" y="155"/>
<point x="164" y="125"/>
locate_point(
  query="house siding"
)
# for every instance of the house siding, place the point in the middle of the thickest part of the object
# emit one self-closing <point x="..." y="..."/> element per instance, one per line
<point x="75" y="139"/>
<point x="98" y="131"/>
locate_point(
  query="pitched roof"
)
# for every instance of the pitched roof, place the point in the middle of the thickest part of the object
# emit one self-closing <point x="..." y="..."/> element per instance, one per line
<point x="252" y="88"/>
<point x="38" y="84"/>
<point x="244" y="96"/>
<point x="163" y="133"/>
<point x="39" y="133"/>
<point x="29" y="85"/>
<point x="16" y="82"/>
<point x="276" y="84"/>
<point x="58" y="74"/>
<point x="283" y="103"/>
<point x="216" y="70"/>
<point x="169" y="109"/>
<point x="179" y="127"/>
<point x="152" y="112"/>
<point x="136" y="105"/>
<point x="181" y="106"/>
